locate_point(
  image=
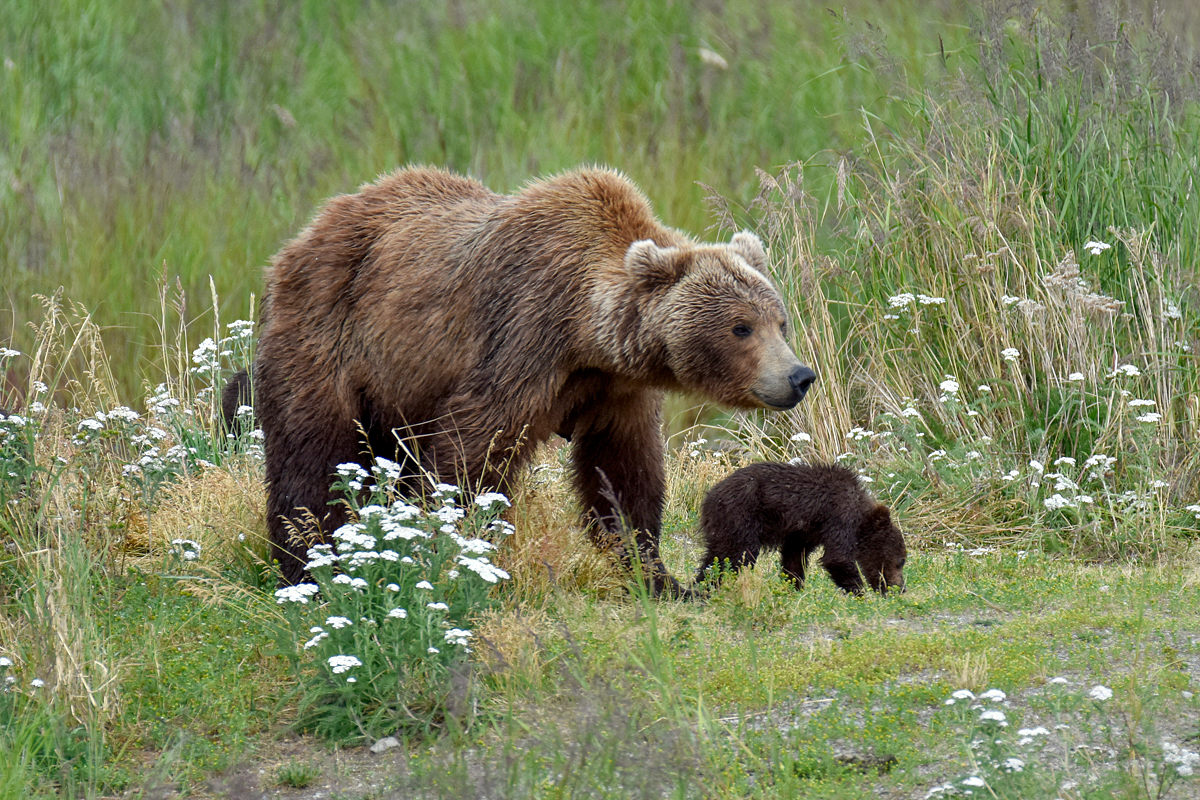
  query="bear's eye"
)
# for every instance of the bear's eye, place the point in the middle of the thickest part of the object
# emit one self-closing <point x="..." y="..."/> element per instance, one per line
<point x="742" y="330"/>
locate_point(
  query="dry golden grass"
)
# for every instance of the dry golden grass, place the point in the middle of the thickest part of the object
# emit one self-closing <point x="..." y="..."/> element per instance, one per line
<point x="221" y="509"/>
<point x="549" y="550"/>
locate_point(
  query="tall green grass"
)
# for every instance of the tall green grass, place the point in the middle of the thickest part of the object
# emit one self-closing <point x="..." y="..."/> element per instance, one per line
<point x="191" y="139"/>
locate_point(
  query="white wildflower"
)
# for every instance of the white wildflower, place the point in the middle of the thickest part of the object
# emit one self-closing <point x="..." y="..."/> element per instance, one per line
<point x="1128" y="370"/>
<point x="458" y="636"/>
<point x="483" y="568"/>
<point x="316" y="640"/>
<point x="487" y="499"/>
<point x="1010" y="354"/>
<point x="349" y="469"/>
<point x="1096" y="248"/>
<point x="296" y="594"/>
<point x="388" y="468"/>
<point x="1185" y="761"/>
<point x="340" y="663"/>
<point x="1100" y="692"/>
<point x="1056" y="501"/>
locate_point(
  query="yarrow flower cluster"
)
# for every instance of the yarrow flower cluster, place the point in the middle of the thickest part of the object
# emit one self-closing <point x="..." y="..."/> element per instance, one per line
<point x="300" y="593"/>
<point x="906" y="299"/>
<point x="185" y="549"/>
<point x="1184" y="761"/>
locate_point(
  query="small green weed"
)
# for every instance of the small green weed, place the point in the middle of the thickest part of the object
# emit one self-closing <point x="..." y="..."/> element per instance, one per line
<point x="297" y="774"/>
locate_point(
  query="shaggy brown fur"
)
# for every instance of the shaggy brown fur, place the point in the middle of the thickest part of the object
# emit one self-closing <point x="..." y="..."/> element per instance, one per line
<point x="472" y="326"/>
<point x="795" y="508"/>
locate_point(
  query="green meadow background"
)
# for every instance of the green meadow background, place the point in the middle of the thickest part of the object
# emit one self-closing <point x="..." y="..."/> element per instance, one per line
<point x="144" y="144"/>
<point x="985" y="218"/>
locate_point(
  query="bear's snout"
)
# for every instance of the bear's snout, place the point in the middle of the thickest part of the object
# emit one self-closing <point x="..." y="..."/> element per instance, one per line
<point x="801" y="378"/>
<point x="787" y="387"/>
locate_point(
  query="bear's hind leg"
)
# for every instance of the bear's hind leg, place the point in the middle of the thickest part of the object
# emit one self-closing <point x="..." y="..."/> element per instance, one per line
<point x="301" y="465"/>
<point x="743" y="555"/>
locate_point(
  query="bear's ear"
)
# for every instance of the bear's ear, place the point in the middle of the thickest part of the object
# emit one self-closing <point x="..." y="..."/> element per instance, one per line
<point x="879" y="519"/>
<point x="656" y="266"/>
<point x="750" y="247"/>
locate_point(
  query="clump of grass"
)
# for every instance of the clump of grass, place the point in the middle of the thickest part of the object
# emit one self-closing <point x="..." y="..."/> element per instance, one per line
<point x="297" y="774"/>
<point x="548" y="551"/>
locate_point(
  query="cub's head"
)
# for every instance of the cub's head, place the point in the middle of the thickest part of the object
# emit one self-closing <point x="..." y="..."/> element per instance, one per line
<point x="881" y="551"/>
<point x="719" y="321"/>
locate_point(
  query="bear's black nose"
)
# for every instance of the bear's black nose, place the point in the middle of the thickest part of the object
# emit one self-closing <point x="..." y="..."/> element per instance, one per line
<point x="801" y="378"/>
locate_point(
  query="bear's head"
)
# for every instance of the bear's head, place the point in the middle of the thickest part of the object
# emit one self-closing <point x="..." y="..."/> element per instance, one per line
<point x="719" y="321"/>
<point x="881" y="551"/>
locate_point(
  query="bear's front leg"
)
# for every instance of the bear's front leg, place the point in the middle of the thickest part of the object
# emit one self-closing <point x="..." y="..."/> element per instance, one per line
<point x="793" y="559"/>
<point x="617" y="456"/>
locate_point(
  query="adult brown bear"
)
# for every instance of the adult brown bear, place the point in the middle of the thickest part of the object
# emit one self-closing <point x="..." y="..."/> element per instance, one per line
<point x="472" y="326"/>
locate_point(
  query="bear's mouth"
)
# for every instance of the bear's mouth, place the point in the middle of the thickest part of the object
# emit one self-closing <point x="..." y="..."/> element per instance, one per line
<point x="774" y="404"/>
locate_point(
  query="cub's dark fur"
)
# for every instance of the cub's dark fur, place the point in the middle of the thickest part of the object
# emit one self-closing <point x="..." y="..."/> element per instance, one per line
<point x="795" y="508"/>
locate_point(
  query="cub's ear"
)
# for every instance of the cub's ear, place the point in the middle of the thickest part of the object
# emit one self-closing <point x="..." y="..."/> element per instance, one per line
<point x="750" y="247"/>
<point x="652" y="265"/>
<point x="878" y="520"/>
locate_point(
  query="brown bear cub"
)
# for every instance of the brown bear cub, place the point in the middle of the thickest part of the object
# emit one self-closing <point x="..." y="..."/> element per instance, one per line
<point x="795" y="508"/>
